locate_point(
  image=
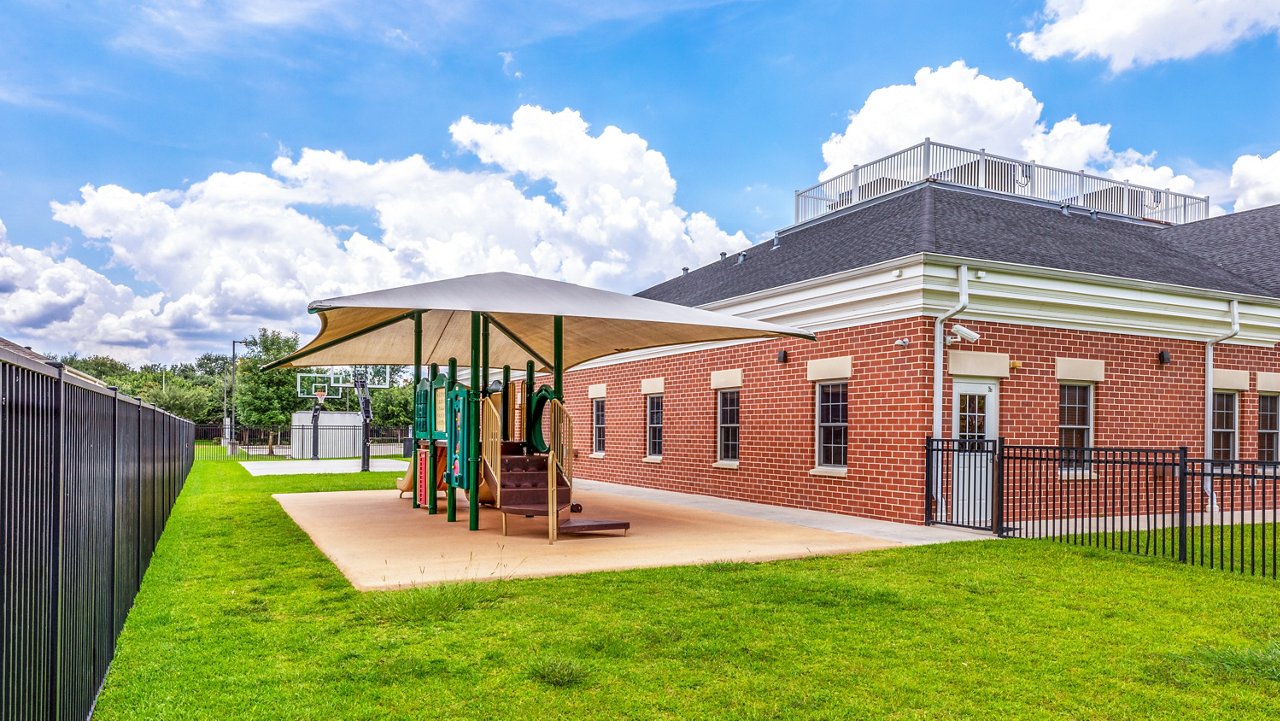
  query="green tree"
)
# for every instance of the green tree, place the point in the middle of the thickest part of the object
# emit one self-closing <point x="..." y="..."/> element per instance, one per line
<point x="104" y="368"/>
<point x="182" y="398"/>
<point x="392" y="406"/>
<point x="267" y="398"/>
<point x="213" y="365"/>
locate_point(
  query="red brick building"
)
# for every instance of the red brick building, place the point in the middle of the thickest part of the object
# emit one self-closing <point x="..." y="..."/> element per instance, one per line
<point x="1075" y="312"/>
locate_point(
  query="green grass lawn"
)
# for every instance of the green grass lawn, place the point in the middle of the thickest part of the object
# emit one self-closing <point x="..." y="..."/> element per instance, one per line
<point x="1252" y="549"/>
<point x="241" y="617"/>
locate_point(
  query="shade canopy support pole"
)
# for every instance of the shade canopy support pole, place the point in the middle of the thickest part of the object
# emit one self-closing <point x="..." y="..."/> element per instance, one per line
<point x="484" y="355"/>
<point x="528" y="404"/>
<point x="557" y="339"/>
<point x="506" y="403"/>
<point x="451" y="496"/>
<point x="433" y="506"/>
<point x="417" y="380"/>
<point x="473" y="438"/>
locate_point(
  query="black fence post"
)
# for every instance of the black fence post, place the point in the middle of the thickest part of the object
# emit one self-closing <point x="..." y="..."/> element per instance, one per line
<point x="997" y="490"/>
<point x="928" y="480"/>
<point x="1182" y="504"/>
<point x="55" y="561"/>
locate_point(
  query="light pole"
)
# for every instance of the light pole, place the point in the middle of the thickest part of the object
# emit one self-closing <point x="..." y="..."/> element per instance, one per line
<point x="234" y="343"/>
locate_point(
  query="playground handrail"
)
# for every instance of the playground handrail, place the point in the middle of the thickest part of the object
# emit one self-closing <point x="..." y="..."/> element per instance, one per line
<point x="559" y="463"/>
<point x="491" y="446"/>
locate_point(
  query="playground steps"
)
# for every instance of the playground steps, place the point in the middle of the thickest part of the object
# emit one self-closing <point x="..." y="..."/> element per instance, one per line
<point x="524" y="493"/>
<point x="568" y="525"/>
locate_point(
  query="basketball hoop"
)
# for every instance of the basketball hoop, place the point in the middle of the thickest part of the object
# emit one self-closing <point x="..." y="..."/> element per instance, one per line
<point x="320" y="394"/>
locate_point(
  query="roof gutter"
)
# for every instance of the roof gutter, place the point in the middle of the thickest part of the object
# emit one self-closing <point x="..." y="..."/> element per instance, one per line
<point x="962" y="276"/>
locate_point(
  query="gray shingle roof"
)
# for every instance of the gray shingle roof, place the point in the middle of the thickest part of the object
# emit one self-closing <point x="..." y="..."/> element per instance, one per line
<point x="1246" y="243"/>
<point x="937" y="218"/>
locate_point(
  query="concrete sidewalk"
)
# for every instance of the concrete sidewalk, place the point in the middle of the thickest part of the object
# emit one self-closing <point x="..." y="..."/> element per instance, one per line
<point x="339" y="465"/>
<point x="902" y="533"/>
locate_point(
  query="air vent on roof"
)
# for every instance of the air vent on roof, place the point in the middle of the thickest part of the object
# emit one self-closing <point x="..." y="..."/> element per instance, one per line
<point x="741" y="257"/>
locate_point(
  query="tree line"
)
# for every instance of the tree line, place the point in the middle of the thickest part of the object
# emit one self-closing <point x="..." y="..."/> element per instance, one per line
<point x="200" y="390"/>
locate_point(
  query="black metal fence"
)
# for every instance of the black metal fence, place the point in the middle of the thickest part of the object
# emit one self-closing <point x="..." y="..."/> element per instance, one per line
<point x="1154" y="502"/>
<point x="87" y="480"/>
<point x="302" y="442"/>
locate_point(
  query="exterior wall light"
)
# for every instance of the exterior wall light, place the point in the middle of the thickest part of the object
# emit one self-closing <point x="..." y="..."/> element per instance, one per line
<point x="1165" y="357"/>
<point x="782" y="356"/>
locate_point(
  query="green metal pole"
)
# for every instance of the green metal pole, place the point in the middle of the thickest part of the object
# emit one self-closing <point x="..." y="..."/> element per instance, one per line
<point x="432" y="505"/>
<point x="484" y="357"/>
<point x="528" y="401"/>
<point x="557" y="333"/>
<point x="417" y="380"/>
<point x="506" y="403"/>
<point x="450" y="495"/>
<point x="473" y="440"/>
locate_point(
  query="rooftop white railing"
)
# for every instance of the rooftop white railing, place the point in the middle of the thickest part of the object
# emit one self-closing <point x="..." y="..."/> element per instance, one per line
<point x="987" y="171"/>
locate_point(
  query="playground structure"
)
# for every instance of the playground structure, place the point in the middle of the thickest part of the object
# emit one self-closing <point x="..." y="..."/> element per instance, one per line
<point x="464" y="431"/>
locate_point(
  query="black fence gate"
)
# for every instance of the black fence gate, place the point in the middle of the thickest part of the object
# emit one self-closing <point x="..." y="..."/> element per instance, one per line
<point x="87" y="480"/>
<point x="1154" y="502"/>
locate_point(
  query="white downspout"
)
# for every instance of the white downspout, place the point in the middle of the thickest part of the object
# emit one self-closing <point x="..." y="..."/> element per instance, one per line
<point x="1208" y="394"/>
<point x="962" y="275"/>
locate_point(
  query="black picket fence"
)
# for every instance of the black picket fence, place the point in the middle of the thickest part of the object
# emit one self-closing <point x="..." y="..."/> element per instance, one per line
<point x="1153" y="502"/>
<point x="304" y="442"/>
<point x="89" y="478"/>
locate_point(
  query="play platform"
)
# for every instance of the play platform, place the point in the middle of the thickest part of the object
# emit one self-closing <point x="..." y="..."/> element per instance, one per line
<point x="380" y="542"/>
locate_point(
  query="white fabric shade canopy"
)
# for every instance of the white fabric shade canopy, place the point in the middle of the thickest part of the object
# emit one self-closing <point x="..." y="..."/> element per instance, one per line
<point x="377" y="328"/>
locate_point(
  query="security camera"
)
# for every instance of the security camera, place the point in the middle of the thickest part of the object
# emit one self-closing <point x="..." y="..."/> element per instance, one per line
<point x="965" y="333"/>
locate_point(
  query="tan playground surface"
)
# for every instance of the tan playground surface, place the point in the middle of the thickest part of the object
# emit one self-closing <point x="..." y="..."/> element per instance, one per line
<point x="381" y="542"/>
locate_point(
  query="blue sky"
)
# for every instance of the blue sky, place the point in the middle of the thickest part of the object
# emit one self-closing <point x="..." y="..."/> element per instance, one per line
<point x="169" y="137"/>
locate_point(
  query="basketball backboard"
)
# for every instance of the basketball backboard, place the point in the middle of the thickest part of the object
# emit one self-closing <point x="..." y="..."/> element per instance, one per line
<point x="311" y="384"/>
<point x="376" y="376"/>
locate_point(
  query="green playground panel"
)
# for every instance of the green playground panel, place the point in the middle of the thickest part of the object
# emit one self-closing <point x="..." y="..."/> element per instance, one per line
<point x="458" y="402"/>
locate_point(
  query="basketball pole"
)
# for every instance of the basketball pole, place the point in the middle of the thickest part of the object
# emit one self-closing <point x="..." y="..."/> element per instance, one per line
<point x="315" y="426"/>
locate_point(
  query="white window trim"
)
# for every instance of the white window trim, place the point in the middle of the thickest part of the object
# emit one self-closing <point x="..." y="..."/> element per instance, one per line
<point x="720" y="459"/>
<point x="1260" y="431"/>
<point x="1085" y="472"/>
<point x="596" y="453"/>
<point x="820" y="468"/>
<point x="648" y="429"/>
<point x="1235" y="431"/>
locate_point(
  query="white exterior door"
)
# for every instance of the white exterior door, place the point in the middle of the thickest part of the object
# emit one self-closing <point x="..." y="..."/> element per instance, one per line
<point x="975" y="424"/>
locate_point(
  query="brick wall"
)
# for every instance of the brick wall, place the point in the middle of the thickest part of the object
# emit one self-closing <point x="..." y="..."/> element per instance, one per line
<point x="1140" y="404"/>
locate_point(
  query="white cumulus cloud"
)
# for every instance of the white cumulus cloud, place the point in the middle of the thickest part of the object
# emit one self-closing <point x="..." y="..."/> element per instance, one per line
<point x="1255" y="180"/>
<point x="237" y="250"/>
<point x="1129" y="33"/>
<point x="957" y="104"/>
